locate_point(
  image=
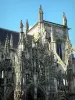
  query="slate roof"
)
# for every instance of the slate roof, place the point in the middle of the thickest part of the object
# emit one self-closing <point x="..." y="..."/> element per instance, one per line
<point x="3" y="34"/>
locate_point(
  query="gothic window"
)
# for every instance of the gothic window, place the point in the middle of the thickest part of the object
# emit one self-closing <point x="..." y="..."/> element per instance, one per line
<point x="59" y="48"/>
<point x="42" y="72"/>
<point x="27" y="78"/>
<point x="8" y="81"/>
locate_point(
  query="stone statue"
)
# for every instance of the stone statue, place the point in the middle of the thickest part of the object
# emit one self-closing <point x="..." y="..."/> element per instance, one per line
<point x="64" y="19"/>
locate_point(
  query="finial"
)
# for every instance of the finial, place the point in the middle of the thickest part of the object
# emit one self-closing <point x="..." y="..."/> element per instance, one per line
<point x="40" y="14"/>
<point x="63" y="14"/>
<point x="40" y="9"/>
<point x="21" y="26"/>
<point x="64" y="19"/>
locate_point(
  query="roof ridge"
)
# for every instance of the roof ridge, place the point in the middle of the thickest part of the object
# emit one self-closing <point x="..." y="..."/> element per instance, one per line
<point x="55" y="23"/>
<point x="9" y="30"/>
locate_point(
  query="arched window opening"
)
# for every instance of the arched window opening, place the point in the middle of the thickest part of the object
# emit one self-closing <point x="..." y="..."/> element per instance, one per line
<point x="59" y="48"/>
<point x="30" y="94"/>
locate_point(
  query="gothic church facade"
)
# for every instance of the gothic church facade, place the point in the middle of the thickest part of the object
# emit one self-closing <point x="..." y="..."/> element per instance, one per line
<point x="38" y="63"/>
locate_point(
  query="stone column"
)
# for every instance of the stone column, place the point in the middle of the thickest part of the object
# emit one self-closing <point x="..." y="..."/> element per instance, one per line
<point x="35" y="66"/>
<point x="35" y="73"/>
<point x="18" y="83"/>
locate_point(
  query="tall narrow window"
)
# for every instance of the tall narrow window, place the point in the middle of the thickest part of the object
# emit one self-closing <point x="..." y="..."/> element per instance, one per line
<point x="59" y="49"/>
<point x="2" y="74"/>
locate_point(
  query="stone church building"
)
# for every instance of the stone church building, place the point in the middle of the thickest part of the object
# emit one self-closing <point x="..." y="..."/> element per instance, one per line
<point x="37" y="63"/>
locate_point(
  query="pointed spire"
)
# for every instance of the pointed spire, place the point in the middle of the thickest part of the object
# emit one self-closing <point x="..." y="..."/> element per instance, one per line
<point x="27" y="26"/>
<point x="11" y="41"/>
<point x="40" y="14"/>
<point x="7" y="45"/>
<point x="21" y="31"/>
<point x="21" y="26"/>
<point x="40" y="9"/>
<point x="64" y="20"/>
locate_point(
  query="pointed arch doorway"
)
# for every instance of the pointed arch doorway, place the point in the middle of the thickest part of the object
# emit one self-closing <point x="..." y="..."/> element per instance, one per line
<point x="30" y="93"/>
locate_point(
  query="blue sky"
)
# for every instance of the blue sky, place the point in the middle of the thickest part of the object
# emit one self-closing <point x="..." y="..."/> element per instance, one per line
<point x="12" y="11"/>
